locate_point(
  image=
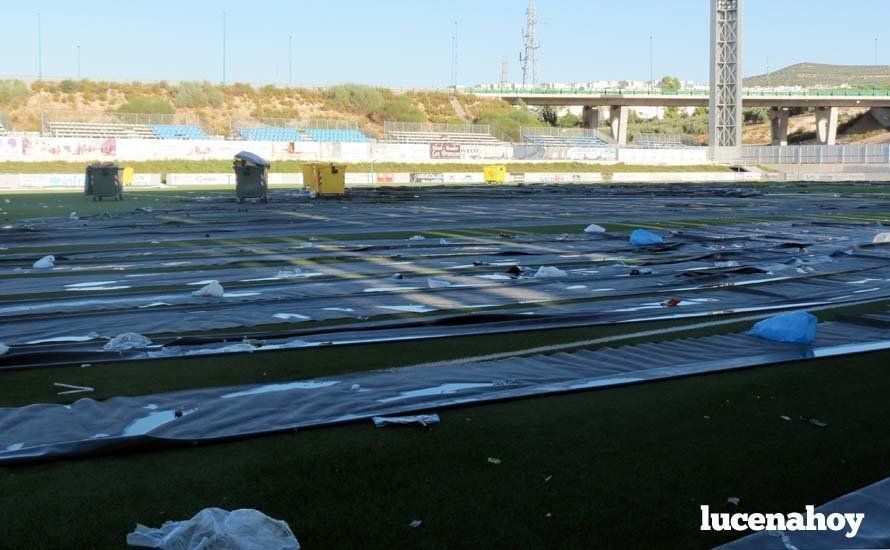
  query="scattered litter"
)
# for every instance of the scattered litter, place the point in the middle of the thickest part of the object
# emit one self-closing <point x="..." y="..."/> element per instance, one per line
<point x="417" y="238"/>
<point x="437" y="283"/>
<point x="146" y="209"/>
<point x="212" y="290"/>
<point x="307" y="245"/>
<point x="292" y="317"/>
<point x="73" y="216"/>
<point x="216" y="528"/>
<point x="635" y="272"/>
<point x="46" y="262"/>
<point x="547" y="479"/>
<point x="292" y="274"/>
<point x="814" y="422"/>
<point x="726" y="264"/>
<point x="127" y="341"/>
<point x="594" y="228"/>
<point x="355" y="387"/>
<point x="495" y="461"/>
<point x="444" y="241"/>
<point x="73" y="389"/>
<point x="397" y="276"/>
<point x="416" y="523"/>
<point x="423" y="420"/>
<point x="734" y="501"/>
<point x="549" y="272"/>
<point x="672" y="302"/>
<point x="786" y="418"/>
<point x="641" y="237"/>
<point x="3" y="348"/>
<point x="882" y="238"/>
<point x="798" y="327"/>
<point x="155" y="242"/>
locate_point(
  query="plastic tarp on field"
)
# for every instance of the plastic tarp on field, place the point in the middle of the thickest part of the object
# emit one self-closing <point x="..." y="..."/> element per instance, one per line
<point x="52" y="431"/>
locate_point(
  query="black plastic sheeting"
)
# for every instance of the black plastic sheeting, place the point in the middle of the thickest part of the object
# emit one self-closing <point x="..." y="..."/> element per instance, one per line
<point x="38" y="432"/>
<point x="873" y="501"/>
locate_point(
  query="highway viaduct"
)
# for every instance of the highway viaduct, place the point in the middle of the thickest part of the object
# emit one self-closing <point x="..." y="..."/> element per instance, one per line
<point x="825" y="103"/>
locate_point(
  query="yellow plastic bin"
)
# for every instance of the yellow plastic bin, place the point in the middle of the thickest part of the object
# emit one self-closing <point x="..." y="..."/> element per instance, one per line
<point x="325" y="178"/>
<point x="495" y="174"/>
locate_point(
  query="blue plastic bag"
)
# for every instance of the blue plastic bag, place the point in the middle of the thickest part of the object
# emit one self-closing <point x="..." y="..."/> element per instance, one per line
<point x="641" y="237"/>
<point x="798" y="327"/>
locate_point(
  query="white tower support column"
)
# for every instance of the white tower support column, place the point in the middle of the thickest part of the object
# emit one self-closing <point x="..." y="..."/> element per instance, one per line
<point x="726" y="78"/>
<point x="826" y="125"/>
<point x="618" y="121"/>
<point x="778" y="119"/>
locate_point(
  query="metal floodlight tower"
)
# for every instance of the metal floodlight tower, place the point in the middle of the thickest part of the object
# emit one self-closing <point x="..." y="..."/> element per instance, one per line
<point x="726" y="76"/>
<point x="529" y="58"/>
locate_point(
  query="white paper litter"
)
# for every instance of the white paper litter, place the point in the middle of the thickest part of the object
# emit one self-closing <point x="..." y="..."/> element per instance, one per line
<point x="291" y="274"/>
<point x="3" y="348"/>
<point x="415" y="524"/>
<point x="417" y="238"/>
<point x="73" y="216"/>
<point x="423" y="420"/>
<point x="549" y="272"/>
<point x="594" y="228"/>
<point x="217" y="529"/>
<point x="212" y="290"/>
<point x="437" y="283"/>
<point x="127" y="341"/>
<point x="882" y="238"/>
<point x="444" y="241"/>
<point x="46" y="262"/>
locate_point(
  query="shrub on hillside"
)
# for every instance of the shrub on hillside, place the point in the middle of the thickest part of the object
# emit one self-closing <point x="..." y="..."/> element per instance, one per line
<point x="399" y="109"/>
<point x="510" y="121"/>
<point x="355" y="98"/>
<point x="13" y="92"/>
<point x="148" y="105"/>
<point x="198" y="94"/>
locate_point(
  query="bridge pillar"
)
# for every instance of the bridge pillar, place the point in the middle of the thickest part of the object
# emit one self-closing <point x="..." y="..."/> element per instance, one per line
<point x="618" y="120"/>
<point x="591" y="117"/>
<point x="826" y="125"/>
<point x="778" y="118"/>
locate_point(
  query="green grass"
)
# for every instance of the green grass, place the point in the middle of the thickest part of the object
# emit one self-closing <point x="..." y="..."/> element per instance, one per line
<point x="627" y="468"/>
<point x="217" y="166"/>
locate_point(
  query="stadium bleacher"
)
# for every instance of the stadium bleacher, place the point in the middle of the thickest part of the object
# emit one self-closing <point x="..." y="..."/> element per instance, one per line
<point x="564" y="141"/>
<point x="430" y="133"/>
<point x="178" y="131"/>
<point x="663" y="141"/>
<point x="338" y="136"/>
<point x="98" y="130"/>
<point x="278" y="133"/>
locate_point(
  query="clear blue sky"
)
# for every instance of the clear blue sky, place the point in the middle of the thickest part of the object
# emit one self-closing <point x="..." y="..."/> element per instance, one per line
<point x="408" y="42"/>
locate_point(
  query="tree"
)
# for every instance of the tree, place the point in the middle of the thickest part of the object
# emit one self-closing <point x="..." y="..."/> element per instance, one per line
<point x="569" y="120"/>
<point x="670" y="83"/>
<point x="549" y="116"/>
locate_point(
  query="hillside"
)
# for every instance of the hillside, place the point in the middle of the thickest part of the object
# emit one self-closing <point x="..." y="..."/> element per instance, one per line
<point x="815" y="74"/>
<point x="217" y="105"/>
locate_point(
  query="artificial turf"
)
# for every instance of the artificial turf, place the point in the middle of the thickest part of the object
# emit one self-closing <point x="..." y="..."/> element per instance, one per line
<point x="617" y="468"/>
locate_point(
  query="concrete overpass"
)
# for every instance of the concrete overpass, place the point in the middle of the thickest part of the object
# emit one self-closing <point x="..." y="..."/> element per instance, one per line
<point x="825" y="102"/>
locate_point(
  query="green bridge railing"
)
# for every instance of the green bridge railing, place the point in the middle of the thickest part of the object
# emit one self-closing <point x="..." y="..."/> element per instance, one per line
<point x="692" y="93"/>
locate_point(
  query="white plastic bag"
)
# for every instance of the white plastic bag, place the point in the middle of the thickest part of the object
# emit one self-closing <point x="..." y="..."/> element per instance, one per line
<point x="549" y="272"/>
<point x="46" y="262"/>
<point x="594" y="228"/>
<point x="127" y="341"/>
<point x="212" y="290"/>
<point x="216" y="529"/>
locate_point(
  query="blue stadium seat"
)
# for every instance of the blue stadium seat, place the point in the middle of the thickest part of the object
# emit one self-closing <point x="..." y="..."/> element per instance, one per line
<point x="269" y="133"/>
<point x="338" y="136"/>
<point x="179" y="131"/>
